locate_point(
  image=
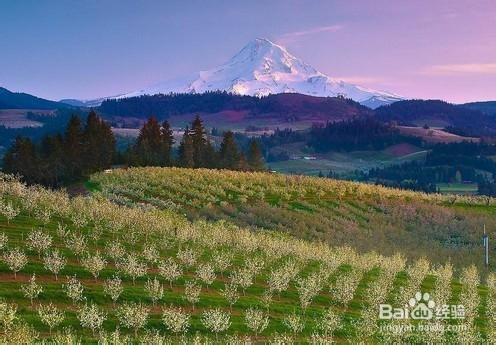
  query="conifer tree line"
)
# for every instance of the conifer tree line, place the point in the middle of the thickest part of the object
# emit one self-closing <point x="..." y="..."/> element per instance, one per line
<point x="63" y="158"/>
<point x="82" y="150"/>
<point x="154" y="147"/>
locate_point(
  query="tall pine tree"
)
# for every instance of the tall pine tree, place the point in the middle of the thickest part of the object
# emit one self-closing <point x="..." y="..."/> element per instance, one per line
<point x="99" y="144"/>
<point x="167" y="138"/>
<point x="52" y="160"/>
<point x="148" y="145"/>
<point x="199" y="140"/>
<point x="22" y="159"/>
<point x="186" y="150"/>
<point x="73" y="149"/>
<point x="255" y="157"/>
<point x="229" y="155"/>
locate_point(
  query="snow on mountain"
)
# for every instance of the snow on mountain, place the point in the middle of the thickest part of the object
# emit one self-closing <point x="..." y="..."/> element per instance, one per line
<point x="262" y="68"/>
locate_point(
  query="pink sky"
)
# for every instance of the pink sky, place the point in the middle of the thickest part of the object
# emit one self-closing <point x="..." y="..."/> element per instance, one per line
<point x="419" y="49"/>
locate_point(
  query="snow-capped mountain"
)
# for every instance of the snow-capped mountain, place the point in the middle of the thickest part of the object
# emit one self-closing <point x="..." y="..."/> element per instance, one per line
<point x="262" y="68"/>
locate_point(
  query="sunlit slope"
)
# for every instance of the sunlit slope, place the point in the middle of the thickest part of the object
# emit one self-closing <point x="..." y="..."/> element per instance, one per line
<point x="366" y="217"/>
<point x="300" y="290"/>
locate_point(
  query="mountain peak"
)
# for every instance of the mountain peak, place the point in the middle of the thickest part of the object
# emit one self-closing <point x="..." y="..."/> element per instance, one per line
<point x="263" y="41"/>
<point x="263" y="67"/>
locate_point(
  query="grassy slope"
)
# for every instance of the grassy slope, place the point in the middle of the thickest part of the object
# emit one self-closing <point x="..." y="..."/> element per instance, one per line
<point x="166" y="231"/>
<point x="341" y="163"/>
<point x="363" y="216"/>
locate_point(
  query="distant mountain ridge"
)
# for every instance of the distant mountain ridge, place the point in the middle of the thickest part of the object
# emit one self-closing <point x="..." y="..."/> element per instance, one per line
<point x="83" y="103"/>
<point x="487" y="107"/>
<point x="19" y="100"/>
<point x="263" y="68"/>
<point x="278" y="109"/>
<point x="459" y="119"/>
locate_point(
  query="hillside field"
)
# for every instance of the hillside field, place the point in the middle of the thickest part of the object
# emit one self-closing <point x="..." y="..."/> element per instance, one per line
<point x="365" y="217"/>
<point x="122" y="266"/>
<point x="343" y="163"/>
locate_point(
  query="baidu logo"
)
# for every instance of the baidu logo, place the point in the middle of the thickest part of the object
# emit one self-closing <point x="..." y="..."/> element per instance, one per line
<point x="421" y="307"/>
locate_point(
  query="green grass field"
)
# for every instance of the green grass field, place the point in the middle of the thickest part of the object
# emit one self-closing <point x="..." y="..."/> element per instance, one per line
<point x="315" y="285"/>
<point x="340" y="163"/>
<point x="458" y="188"/>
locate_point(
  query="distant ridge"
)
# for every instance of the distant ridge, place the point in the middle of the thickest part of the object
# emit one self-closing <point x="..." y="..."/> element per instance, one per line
<point x="18" y="100"/>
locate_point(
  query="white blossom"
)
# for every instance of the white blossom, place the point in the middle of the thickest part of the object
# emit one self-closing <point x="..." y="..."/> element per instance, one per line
<point x="329" y="322"/>
<point x="15" y="260"/>
<point x="94" y="263"/>
<point x="170" y="270"/>
<point x="90" y="316"/>
<point x="216" y="320"/>
<point x="176" y="320"/>
<point x="32" y="289"/>
<point x="206" y="274"/>
<point x="113" y="288"/>
<point x="20" y="333"/>
<point x="50" y="315"/>
<point x="230" y="293"/>
<point x="154" y="289"/>
<point x="256" y="320"/>
<point x="294" y="322"/>
<point x="3" y="241"/>
<point x="133" y="267"/>
<point x="192" y="292"/>
<point x="74" y="289"/>
<point x="7" y="315"/>
<point x="54" y="262"/>
<point x="76" y="243"/>
<point x="187" y="257"/>
<point x="150" y="253"/>
<point x="39" y="241"/>
<point x="133" y="316"/>
<point x="9" y="211"/>
<point x="115" y="251"/>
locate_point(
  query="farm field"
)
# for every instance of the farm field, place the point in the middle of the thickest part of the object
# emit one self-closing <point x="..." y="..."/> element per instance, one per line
<point x="434" y="135"/>
<point x="343" y="163"/>
<point x="88" y="270"/>
<point x="17" y="118"/>
<point x="362" y="216"/>
<point x="459" y="188"/>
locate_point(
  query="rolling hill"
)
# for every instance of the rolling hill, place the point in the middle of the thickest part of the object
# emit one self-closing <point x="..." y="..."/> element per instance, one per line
<point x="87" y="269"/>
<point x="19" y="100"/>
<point x="436" y="113"/>
<point x="362" y="216"/>
<point x="488" y="107"/>
<point x="220" y="109"/>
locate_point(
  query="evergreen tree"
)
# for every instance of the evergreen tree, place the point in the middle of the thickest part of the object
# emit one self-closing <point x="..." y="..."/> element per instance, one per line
<point x="243" y="163"/>
<point x="52" y="160"/>
<point x="22" y="159"/>
<point x="255" y="157"/>
<point x="61" y="159"/>
<point x="167" y="137"/>
<point x="148" y="145"/>
<point x="199" y="139"/>
<point x="229" y="155"/>
<point x="99" y="144"/>
<point x="186" y="157"/>
<point x="73" y="148"/>
<point x="211" y="156"/>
